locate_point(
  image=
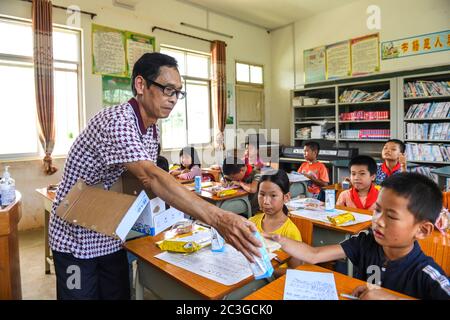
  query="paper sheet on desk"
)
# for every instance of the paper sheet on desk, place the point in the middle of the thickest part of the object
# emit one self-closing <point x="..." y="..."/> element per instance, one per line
<point x="297" y="177"/>
<point x="308" y="285"/>
<point x="228" y="267"/>
<point x="321" y="215"/>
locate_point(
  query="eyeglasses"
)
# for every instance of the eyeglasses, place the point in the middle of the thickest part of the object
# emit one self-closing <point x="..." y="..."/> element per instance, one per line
<point x="169" y="91"/>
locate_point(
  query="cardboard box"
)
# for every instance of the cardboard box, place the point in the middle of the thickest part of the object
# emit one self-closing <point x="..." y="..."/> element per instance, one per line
<point x="113" y="213"/>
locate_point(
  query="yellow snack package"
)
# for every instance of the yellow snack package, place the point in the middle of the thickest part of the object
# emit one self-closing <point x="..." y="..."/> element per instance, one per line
<point x="225" y="193"/>
<point x="341" y="218"/>
<point x="186" y="243"/>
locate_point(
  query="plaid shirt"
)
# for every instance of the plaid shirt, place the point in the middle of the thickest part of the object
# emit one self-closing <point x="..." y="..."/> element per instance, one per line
<point x="114" y="136"/>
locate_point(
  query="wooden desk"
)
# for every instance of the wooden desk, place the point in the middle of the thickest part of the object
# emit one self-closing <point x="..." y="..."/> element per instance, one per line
<point x="171" y="282"/>
<point x="214" y="172"/>
<point x="344" y="284"/>
<point x="10" y="282"/>
<point x="326" y="233"/>
<point x="227" y="202"/>
<point x="48" y="198"/>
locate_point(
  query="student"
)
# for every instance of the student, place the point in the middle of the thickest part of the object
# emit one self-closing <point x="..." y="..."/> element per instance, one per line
<point x="161" y="161"/>
<point x="273" y="193"/>
<point x="394" y="160"/>
<point x="389" y="255"/>
<point x="363" y="193"/>
<point x="189" y="165"/>
<point x="243" y="175"/>
<point x="251" y="156"/>
<point x="313" y="169"/>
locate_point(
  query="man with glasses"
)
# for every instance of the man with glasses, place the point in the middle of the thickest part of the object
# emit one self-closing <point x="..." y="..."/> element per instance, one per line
<point x="120" y="138"/>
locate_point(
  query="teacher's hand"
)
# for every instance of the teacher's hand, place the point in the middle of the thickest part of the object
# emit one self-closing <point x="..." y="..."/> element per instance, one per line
<point x="238" y="232"/>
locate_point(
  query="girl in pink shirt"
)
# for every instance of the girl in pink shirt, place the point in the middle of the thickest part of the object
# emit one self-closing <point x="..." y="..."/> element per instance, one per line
<point x="189" y="165"/>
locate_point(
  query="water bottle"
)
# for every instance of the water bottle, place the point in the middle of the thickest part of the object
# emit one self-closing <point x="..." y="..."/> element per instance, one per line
<point x="329" y="199"/>
<point x="345" y="185"/>
<point x="198" y="184"/>
<point x="7" y="188"/>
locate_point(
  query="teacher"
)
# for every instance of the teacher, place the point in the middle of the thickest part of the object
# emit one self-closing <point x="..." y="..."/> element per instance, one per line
<point x="90" y="265"/>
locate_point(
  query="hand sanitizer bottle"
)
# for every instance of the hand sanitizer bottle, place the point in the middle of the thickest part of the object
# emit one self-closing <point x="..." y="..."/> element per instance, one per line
<point x="7" y="188"/>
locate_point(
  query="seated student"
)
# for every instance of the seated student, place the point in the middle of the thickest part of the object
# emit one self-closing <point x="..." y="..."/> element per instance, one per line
<point x="389" y="255"/>
<point x="394" y="160"/>
<point x="273" y="193"/>
<point x="363" y="193"/>
<point x="251" y="156"/>
<point x="313" y="169"/>
<point x="239" y="173"/>
<point x="189" y="165"/>
<point x="162" y="161"/>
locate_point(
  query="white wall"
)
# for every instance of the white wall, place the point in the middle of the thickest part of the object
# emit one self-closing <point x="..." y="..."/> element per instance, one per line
<point x="399" y="19"/>
<point x="249" y="44"/>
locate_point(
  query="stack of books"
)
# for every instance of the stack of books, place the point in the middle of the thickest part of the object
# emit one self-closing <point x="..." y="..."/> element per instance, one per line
<point x="369" y="134"/>
<point x="364" y="115"/>
<point x="434" y="110"/>
<point x="427" y="152"/>
<point x="427" y="131"/>
<point x="363" y="96"/>
<point x="424" y="88"/>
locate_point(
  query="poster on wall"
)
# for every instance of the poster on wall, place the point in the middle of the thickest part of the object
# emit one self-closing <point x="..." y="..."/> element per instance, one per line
<point x="338" y="60"/>
<point x="114" y="52"/>
<point x="365" y="54"/>
<point x="137" y="45"/>
<point x="115" y="90"/>
<point x="421" y="44"/>
<point x="108" y="51"/>
<point x="314" y="64"/>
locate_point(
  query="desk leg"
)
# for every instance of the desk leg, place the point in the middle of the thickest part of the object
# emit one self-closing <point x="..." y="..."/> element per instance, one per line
<point x="48" y="256"/>
<point x="139" y="293"/>
<point x="349" y="263"/>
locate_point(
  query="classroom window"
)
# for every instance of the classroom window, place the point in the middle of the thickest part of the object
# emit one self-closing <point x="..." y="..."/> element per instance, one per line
<point x="190" y="120"/>
<point x="249" y="74"/>
<point x="18" y="115"/>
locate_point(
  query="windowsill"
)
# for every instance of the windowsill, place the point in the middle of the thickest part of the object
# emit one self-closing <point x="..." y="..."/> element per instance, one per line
<point x="30" y="158"/>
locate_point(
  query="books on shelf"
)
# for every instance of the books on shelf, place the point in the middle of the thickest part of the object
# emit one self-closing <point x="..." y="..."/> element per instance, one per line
<point x="427" y="131"/>
<point x="423" y="88"/>
<point x="363" y="96"/>
<point x="364" y="115"/>
<point x="368" y="134"/>
<point x="428" y="110"/>
<point x="427" y="152"/>
<point x="426" y="171"/>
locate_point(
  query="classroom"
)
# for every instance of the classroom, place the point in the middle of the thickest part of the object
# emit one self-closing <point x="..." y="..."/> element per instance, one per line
<point x="224" y="150"/>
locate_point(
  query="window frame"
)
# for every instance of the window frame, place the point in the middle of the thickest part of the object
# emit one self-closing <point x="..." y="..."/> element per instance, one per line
<point x="12" y="59"/>
<point x="253" y="84"/>
<point x="185" y="79"/>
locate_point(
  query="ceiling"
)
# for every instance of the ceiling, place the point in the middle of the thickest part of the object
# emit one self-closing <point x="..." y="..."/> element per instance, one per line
<point x="268" y="14"/>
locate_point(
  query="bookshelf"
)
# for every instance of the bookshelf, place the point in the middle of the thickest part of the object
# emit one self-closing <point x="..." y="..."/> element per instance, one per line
<point x="424" y="122"/>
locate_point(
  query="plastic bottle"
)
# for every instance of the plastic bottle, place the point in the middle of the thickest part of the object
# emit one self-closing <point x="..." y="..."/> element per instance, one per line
<point x="198" y="184"/>
<point x="7" y="188"/>
<point x="329" y="199"/>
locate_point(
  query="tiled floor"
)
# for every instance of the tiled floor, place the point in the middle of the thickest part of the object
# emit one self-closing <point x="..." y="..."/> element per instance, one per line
<point x="36" y="285"/>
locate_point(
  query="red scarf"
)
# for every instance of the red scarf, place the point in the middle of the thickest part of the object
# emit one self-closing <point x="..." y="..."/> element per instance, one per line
<point x="372" y="196"/>
<point x="388" y="172"/>
<point x="247" y="173"/>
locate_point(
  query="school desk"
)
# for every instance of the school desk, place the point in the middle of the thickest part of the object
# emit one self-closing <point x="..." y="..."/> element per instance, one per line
<point x="344" y="284"/>
<point x="10" y="281"/>
<point x="48" y="198"/>
<point x="168" y="281"/>
<point x="237" y="202"/>
<point x="325" y="233"/>
<point x="215" y="173"/>
<point x="443" y="174"/>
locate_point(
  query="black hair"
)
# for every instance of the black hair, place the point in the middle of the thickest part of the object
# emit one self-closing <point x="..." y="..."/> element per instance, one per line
<point x="232" y="165"/>
<point x="159" y="149"/>
<point x="281" y="179"/>
<point x="314" y="146"/>
<point x="423" y="194"/>
<point x="400" y="143"/>
<point x="162" y="163"/>
<point x="194" y="156"/>
<point x="149" y="66"/>
<point x="365" y="161"/>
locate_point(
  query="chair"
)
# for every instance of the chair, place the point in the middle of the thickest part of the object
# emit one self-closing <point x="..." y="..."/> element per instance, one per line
<point x="305" y="227"/>
<point x="437" y="246"/>
<point x="446" y="199"/>
<point x="238" y="205"/>
<point x="298" y="188"/>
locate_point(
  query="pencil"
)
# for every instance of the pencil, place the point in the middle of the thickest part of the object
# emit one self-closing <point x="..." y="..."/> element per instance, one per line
<point x="348" y="296"/>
